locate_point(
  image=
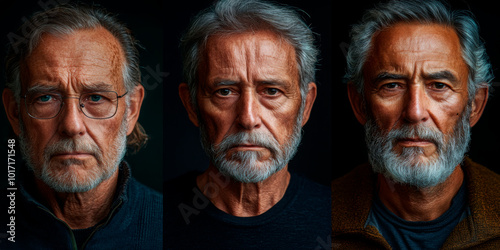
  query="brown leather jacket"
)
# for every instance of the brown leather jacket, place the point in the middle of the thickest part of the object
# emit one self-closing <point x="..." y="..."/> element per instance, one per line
<point x="352" y="197"/>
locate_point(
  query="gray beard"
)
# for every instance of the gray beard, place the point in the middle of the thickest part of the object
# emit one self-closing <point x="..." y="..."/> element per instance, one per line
<point x="67" y="181"/>
<point x="406" y="168"/>
<point x="244" y="166"/>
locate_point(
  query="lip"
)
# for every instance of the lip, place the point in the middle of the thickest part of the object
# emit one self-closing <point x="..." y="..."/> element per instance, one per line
<point x="414" y="142"/>
<point x="247" y="147"/>
<point x="72" y="155"/>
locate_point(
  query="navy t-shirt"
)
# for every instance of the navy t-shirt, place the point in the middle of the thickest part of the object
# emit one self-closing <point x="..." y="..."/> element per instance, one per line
<point x="402" y="234"/>
<point x="300" y="220"/>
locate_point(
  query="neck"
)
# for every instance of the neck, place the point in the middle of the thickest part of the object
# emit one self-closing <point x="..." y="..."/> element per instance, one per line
<point x="419" y="204"/>
<point x="81" y="210"/>
<point x="243" y="199"/>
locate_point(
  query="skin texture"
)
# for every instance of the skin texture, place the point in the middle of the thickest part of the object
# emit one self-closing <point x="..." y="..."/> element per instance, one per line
<point x="415" y="74"/>
<point x="248" y="82"/>
<point x="72" y="63"/>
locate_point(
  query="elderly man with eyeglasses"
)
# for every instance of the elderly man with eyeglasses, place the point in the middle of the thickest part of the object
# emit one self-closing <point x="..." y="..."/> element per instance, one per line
<point x="73" y="97"/>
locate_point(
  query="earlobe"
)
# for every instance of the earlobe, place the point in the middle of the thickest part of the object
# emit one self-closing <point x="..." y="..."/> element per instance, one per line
<point x="356" y="101"/>
<point x="136" y="99"/>
<point x="188" y="105"/>
<point x="310" y="98"/>
<point x="11" y="109"/>
<point x="478" y="105"/>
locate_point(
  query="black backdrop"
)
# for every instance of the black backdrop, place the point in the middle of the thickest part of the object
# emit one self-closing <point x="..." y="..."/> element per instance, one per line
<point x="351" y="151"/>
<point x="333" y="141"/>
<point x="183" y="150"/>
<point x="144" y="19"/>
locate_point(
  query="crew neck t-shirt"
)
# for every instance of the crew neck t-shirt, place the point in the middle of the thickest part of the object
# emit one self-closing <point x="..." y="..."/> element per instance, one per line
<point x="402" y="234"/>
<point x="300" y="220"/>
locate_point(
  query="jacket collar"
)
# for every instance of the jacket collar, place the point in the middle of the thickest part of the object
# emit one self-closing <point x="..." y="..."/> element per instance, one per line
<point x="353" y="194"/>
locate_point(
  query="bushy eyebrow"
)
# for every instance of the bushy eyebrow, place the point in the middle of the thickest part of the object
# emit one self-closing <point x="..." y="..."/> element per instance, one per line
<point x="441" y="75"/>
<point x="91" y="87"/>
<point x="388" y="76"/>
<point x="43" y="88"/>
<point x="98" y="86"/>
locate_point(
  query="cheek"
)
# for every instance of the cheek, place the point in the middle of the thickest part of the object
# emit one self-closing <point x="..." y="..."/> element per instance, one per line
<point x="281" y="121"/>
<point x="446" y="114"/>
<point x="385" y="113"/>
<point x="217" y="122"/>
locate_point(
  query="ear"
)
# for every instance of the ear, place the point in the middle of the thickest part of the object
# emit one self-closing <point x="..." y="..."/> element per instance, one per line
<point x="478" y="105"/>
<point x="10" y="105"/>
<point x="356" y="101"/>
<point x="188" y="105"/>
<point x="312" y="91"/>
<point x="136" y="98"/>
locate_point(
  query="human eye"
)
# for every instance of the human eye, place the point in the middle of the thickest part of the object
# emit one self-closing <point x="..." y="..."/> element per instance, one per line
<point x="96" y="98"/>
<point x="391" y="85"/>
<point x="272" y="91"/>
<point x="44" y="98"/>
<point x="438" y="86"/>
<point x="224" y="92"/>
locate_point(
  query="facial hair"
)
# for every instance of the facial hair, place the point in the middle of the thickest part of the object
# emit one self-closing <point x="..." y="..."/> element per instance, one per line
<point x="59" y="176"/>
<point x="246" y="166"/>
<point x="408" y="168"/>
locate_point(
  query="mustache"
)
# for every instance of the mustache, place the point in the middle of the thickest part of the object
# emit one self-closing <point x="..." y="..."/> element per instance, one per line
<point x="67" y="145"/>
<point x="419" y="131"/>
<point x="255" y="138"/>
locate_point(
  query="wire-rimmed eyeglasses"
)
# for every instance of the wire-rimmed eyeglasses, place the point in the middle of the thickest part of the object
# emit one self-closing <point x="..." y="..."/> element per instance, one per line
<point x="95" y="105"/>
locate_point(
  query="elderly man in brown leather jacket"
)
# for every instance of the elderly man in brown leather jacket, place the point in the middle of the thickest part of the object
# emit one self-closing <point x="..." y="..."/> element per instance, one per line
<point x="418" y="81"/>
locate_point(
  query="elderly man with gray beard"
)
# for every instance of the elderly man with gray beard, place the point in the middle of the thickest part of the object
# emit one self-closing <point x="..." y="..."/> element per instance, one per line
<point x="249" y="70"/>
<point x="418" y="80"/>
<point x="73" y="97"/>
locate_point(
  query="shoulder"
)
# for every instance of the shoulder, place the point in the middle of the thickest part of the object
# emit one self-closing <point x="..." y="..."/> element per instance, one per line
<point x="311" y="195"/>
<point x="480" y="173"/>
<point x="140" y="194"/>
<point x="312" y="188"/>
<point x="482" y="185"/>
<point x="361" y="177"/>
<point x="352" y="197"/>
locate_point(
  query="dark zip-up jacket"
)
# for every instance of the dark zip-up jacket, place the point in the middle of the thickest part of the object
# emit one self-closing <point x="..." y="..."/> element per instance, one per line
<point x="134" y="222"/>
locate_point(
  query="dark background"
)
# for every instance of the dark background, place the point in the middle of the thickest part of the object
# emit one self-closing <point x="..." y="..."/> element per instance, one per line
<point x="349" y="146"/>
<point x="333" y="141"/>
<point x="144" y="19"/>
<point x="183" y="151"/>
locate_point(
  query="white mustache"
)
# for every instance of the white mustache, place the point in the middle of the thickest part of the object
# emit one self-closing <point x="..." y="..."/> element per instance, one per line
<point x="72" y="145"/>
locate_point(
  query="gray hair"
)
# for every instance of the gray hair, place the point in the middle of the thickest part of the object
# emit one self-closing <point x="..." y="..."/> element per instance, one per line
<point x="387" y="14"/>
<point x="64" y="20"/>
<point x="239" y="16"/>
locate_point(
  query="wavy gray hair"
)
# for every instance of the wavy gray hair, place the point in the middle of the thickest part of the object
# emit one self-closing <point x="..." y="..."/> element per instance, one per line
<point x="389" y="13"/>
<point x="66" y="19"/>
<point x="239" y="16"/>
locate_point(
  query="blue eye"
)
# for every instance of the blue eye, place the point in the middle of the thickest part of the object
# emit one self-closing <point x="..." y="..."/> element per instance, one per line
<point x="45" y="98"/>
<point x="95" y="98"/>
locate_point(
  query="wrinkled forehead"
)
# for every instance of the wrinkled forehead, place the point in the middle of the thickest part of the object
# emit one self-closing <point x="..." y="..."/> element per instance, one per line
<point x="252" y="48"/>
<point x="81" y="57"/>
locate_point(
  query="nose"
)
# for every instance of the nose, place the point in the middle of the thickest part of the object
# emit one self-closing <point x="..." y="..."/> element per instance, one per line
<point x="71" y="118"/>
<point x="416" y="103"/>
<point x="248" y="111"/>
